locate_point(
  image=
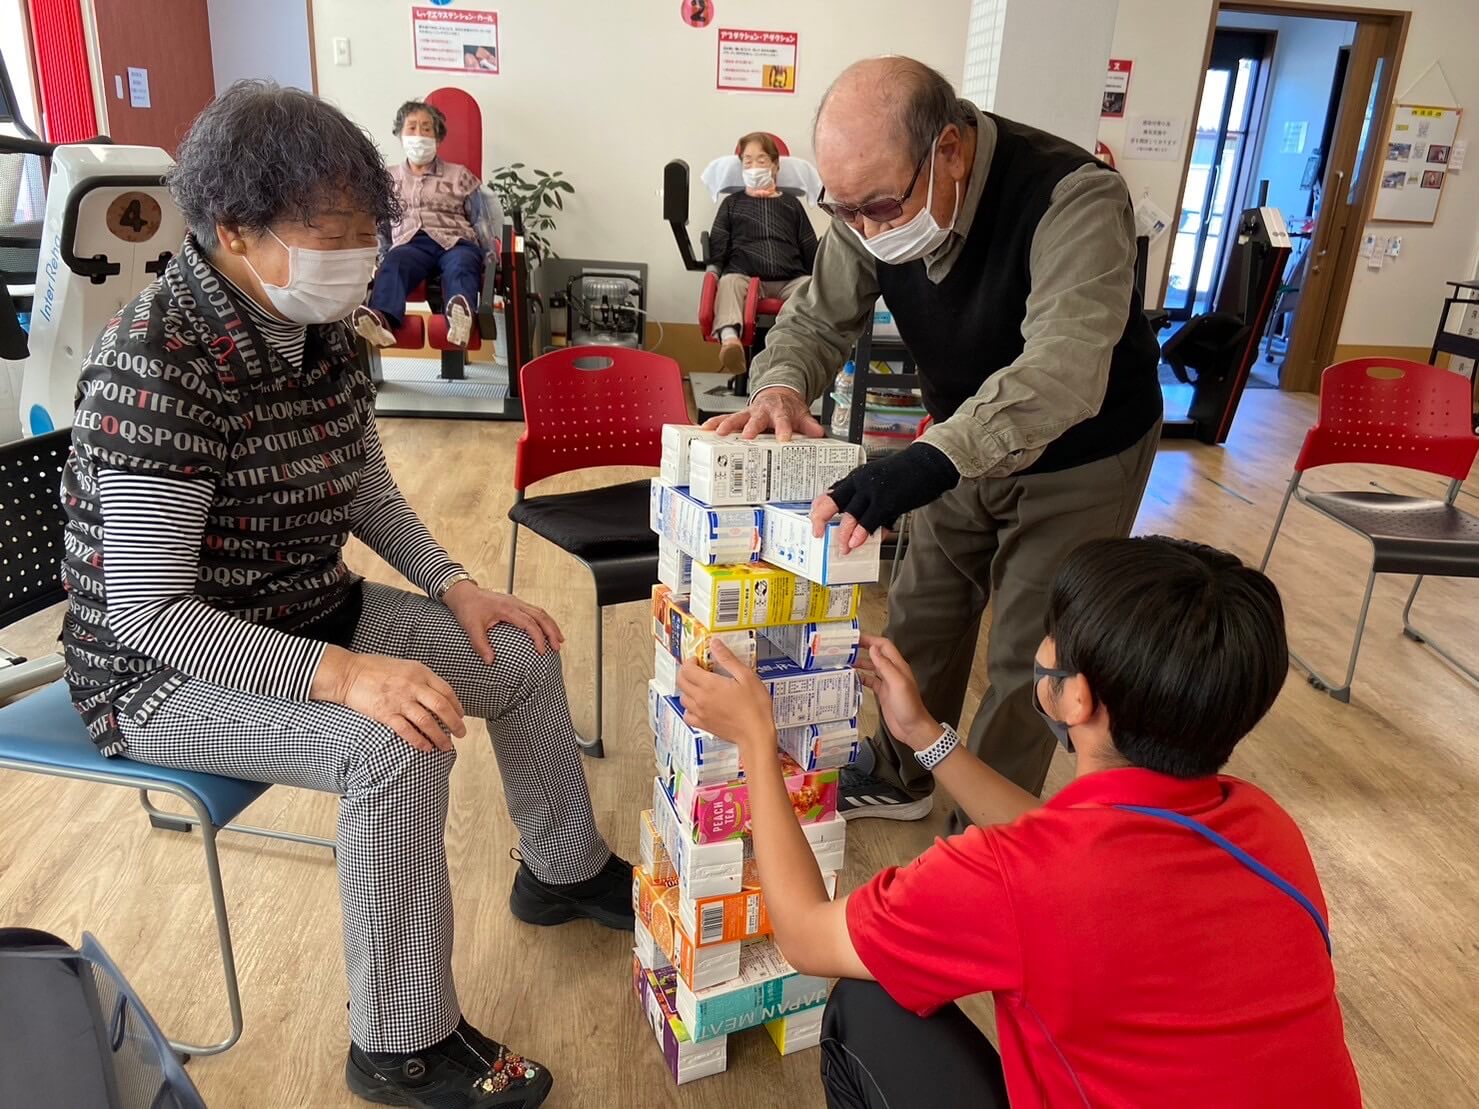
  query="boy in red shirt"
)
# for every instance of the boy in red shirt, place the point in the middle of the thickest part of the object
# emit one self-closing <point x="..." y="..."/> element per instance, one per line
<point x="1154" y="935"/>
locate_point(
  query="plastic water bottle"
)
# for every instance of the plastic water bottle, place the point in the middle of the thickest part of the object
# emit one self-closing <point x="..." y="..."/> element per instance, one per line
<point x="842" y="389"/>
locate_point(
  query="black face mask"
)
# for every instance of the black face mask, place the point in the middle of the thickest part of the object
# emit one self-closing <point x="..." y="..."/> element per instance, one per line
<point x="1057" y="727"/>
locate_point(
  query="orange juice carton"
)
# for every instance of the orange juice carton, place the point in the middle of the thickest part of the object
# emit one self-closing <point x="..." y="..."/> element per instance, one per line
<point x="787" y="542"/>
<point x="686" y="638"/>
<point x="757" y="595"/>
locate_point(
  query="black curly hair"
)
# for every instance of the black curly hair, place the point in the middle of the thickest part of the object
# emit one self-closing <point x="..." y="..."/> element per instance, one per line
<point x="261" y="153"/>
<point x="438" y="121"/>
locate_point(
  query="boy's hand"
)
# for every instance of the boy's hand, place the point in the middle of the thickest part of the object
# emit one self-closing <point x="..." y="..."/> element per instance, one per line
<point x="734" y="708"/>
<point x="884" y="671"/>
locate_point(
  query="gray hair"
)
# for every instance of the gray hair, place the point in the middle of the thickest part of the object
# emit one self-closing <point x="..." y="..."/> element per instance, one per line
<point x="411" y="107"/>
<point x="921" y="101"/>
<point x="260" y="153"/>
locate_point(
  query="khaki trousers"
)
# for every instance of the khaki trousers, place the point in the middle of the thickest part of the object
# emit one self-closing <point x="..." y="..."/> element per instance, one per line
<point x="729" y="301"/>
<point x="999" y="540"/>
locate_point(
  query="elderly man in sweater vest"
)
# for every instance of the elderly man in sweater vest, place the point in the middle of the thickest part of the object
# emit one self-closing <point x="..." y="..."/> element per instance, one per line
<point x="1006" y="256"/>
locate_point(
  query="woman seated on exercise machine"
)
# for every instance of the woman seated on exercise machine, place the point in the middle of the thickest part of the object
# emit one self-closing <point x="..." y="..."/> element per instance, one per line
<point x="1154" y="935"/>
<point x="449" y="225"/>
<point x="762" y="233"/>
<point x="224" y="451"/>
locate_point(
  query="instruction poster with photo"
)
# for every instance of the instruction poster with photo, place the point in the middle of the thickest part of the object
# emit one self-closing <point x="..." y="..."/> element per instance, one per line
<point x="456" y="39"/>
<point x="1419" y="155"/>
<point x="757" y="61"/>
<point x="1116" y="88"/>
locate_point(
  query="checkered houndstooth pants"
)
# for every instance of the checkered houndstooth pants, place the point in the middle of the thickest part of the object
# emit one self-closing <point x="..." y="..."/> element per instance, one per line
<point x="393" y="884"/>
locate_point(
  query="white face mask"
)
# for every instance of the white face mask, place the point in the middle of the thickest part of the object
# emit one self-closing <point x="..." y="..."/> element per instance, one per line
<point x="758" y="178"/>
<point x="419" y="149"/>
<point x="323" y="285"/>
<point x="919" y="237"/>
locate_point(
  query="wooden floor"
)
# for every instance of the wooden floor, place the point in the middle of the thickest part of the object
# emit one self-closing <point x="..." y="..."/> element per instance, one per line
<point x="1385" y="789"/>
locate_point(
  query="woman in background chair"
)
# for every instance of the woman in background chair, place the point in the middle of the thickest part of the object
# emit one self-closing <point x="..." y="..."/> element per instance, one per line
<point x="762" y="233"/>
<point x="449" y="225"/>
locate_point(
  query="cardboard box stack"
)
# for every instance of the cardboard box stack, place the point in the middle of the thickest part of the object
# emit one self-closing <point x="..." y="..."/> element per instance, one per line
<point x="738" y="563"/>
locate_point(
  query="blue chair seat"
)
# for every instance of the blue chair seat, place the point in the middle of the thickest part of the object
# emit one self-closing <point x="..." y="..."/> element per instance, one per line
<point x="44" y="732"/>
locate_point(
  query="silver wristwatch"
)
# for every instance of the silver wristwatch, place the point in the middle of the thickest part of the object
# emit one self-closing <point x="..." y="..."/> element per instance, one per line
<point x="456" y="579"/>
<point x="936" y="753"/>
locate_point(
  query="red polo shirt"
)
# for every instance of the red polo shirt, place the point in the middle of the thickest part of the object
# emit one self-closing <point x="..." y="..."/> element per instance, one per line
<point x="1133" y="962"/>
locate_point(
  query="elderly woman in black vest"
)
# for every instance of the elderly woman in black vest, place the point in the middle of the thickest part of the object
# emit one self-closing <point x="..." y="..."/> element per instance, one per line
<point x="224" y="452"/>
<point x="1006" y="256"/>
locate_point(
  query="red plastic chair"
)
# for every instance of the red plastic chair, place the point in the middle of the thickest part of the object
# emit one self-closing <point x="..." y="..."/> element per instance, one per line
<point x="1389" y="412"/>
<point x="758" y="309"/>
<point x="463" y="146"/>
<point x="586" y="407"/>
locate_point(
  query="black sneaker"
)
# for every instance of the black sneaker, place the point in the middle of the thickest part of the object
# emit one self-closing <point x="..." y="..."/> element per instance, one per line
<point x="467" y="1070"/>
<point x="606" y="897"/>
<point x="860" y="796"/>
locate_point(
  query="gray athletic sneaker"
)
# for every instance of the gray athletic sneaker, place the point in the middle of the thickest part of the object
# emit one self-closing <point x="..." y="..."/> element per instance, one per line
<point x="860" y="796"/>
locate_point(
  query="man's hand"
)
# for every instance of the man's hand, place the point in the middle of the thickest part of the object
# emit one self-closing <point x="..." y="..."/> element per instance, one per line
<point x="780" y="409"/>
<point x="403" y="695"/>
<point x="734" y="708"/>
<point x="478" y="609"/>
<point x="884" y="671"/>
<point x="878" y="493"/>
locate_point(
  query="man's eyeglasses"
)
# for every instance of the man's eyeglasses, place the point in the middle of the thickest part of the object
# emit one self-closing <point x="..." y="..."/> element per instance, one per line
<point x="882" y="210"/>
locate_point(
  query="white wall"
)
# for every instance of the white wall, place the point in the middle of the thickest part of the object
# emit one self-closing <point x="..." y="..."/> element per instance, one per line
<point x="1304" y="66"/>
<point x="1051" y="79"/>
<point x="610" y="92"/>
<point x="14" y="36"/>
<point x="260" y="38"/>
<point x="1397" y="306"/>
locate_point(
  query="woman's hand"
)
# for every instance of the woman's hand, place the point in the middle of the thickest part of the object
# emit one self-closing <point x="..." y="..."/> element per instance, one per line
<point x="737" y="709"/>
<point x="478" y="609"/>
<point x="884" y="671"/>
<point x="403" y="695"/>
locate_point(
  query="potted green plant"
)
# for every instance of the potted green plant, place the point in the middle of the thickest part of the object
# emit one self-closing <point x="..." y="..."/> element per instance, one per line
<point x="537" y="198"/>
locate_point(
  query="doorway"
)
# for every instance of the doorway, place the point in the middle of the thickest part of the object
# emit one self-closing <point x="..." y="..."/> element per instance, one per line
<point x="1287" y="125"/>
<point x="1227" y="119"/>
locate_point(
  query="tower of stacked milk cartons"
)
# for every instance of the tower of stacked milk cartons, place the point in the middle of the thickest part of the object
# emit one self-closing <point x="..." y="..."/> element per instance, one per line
<point x="739" y="563"/>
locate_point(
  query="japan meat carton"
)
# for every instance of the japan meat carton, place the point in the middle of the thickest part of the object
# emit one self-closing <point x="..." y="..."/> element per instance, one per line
<point x="814" y="646"/>
<point x="787" y="542"/>
<point x="766" y="989"/>
<point x="674" y="568"/>
<point x="686" y="1060"/>
<point x="683" y="749"/>
<point x="755" y="595"/>
<point x="686" y="638"/>
<point x="821" y="746"/>
<point x="797" y="1032"/>
<point x="711" y="813"/>
<point x="707" y="535"/>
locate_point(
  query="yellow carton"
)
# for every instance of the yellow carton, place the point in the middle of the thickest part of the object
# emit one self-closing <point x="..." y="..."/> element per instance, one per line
<point x="757" y="595"/>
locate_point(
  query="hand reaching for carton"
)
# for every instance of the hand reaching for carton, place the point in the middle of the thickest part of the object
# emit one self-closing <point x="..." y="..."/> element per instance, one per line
<point x="884" y="671"/>
<point x="735" y="708"/>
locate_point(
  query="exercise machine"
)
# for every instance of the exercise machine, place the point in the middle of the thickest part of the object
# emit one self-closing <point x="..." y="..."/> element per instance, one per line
<point x="110" y="229"/>
<point x="592" y="303"/>
<point x="1214" y="352"/>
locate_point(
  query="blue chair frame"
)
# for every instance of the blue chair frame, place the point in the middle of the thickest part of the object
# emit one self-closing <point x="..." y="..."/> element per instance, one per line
<point x="42" y="733"/>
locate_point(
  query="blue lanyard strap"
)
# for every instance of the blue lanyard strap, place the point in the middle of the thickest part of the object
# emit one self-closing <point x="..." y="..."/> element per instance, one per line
<point x="1280" y="884"/>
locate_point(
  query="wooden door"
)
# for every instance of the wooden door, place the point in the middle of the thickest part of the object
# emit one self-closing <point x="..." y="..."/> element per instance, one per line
<point x="171" y="41"/>
<point x="1347" y="196"/>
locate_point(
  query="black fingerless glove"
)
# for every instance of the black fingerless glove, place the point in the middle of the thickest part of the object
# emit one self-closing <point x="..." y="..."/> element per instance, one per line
<point x="880" y="492"/>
